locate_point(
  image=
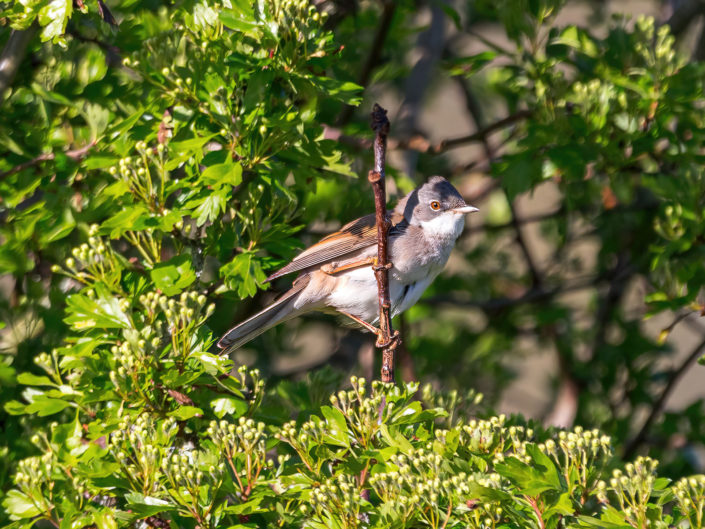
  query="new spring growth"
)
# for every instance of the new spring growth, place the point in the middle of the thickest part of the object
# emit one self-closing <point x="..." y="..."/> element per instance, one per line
<point x="182" y="315"/>
<point x="243" y="445"/>
<point x="340" y="496"/>
<point x="457" y="405"/>
<point x="139" y="446"/>
<point x="580" y="453"/>
<point x="690" y="496"/>
<point x="489" y="436"/>
<point x="423" y="485"/>
<point x="91" y="262"/>
<point x="365" y="414"/>
<point x="300" y="25"/>
<point x="634" y="487"/>
<point x="145" y="175"/>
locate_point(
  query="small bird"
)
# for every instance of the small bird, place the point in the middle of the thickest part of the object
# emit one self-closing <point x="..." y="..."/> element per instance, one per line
<point x="336" y="274"/>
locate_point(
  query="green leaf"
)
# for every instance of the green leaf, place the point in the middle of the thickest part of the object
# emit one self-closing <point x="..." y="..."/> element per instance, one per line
<point x="144" y="506"/>
<point x="337" y="432"/>
<point x="30" y="379"/>
<point x="222" y="174"/>
<point x="210" y="207"/>
<point x="174" y="275"/>
<point x="229" y="406"/>
<point x="43" y="406"/>
<point x="54" y="16"/>
<point x="184" y="413"/>
<point x="243" y="274"/>
<point x="18" y="505"/>
<point x="101" y="312"/>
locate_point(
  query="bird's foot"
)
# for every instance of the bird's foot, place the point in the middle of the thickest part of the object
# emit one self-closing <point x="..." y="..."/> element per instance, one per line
<point x="392" y="342"/>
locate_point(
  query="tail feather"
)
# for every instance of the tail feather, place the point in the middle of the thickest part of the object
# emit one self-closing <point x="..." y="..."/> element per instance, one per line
<point x="281" y="310"/>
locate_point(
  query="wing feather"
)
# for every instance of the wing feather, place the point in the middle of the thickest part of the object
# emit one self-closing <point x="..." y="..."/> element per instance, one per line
<point x="354" y="236"/>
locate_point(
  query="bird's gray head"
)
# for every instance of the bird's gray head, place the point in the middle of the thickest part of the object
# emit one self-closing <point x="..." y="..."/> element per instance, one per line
<point x="431" y="200"/>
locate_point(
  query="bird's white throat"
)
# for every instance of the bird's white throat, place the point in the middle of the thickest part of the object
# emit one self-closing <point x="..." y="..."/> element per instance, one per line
<point x="446" y="226"/>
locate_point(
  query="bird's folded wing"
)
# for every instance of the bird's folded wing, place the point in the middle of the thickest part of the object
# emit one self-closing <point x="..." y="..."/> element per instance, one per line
<point x="352" y="237"/>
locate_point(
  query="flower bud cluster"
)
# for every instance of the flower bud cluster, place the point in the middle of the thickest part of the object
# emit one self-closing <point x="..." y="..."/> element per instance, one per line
<point x="186" y="470"/>
<point x="489" y="437"/>
<point x="339" y="496"/>
<point x="186" y="312"/>
<point x="303" y="438"/>
<point x="633" y="488"/>
<point x="365" y="414"/>
<point x="243" y="445"/>
<point x="299" y="24"/>
<point x="49" y="363"/>
<point x="457" y="405"/>
<point x="140" y="445"/>
<point x="92" y="261"/>
<point x="423" y="484"/>
<point x="247" y="438"/>
<point x="256" y="384"/>
<point x="35" y="477"/>
<point x="580" y="453"/>
<point x="656" y="46"/>
<point x="137" y="174"/>
<point x="33" y="471"/>
<point x="690" y="497"/>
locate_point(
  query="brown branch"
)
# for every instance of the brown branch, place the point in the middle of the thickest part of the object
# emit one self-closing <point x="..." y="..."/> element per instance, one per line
<point x="657" y="407"/>
<point x="75" y="155"/>
<point x="387" y="340"/>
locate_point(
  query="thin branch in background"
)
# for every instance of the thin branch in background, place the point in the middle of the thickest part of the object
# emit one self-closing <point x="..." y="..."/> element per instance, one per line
<point x="482" y="134"/>
<point x="74" y="154"/>
<point x="429" y="49"/>
<point x="388" y="340"/>
<point x="12" y="56"/>
<point x="632" y="446"/>
<point x="536" y="280"/>
<point x="699" y="51"/>
<point x="420" y="144"/>
<point x="684" y="15"/>
<point x="385" y="23"/>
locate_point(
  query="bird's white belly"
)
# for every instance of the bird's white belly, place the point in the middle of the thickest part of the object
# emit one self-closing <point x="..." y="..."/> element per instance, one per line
<point x="359" y="296"/>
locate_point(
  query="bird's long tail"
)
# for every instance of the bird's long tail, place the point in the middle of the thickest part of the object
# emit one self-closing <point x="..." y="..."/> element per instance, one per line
<point x="281" y="310"/>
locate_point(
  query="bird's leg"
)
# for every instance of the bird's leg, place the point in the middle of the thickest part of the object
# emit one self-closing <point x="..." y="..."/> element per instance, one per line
<point x="362" y="322"/>
<point x="332" y="268"/>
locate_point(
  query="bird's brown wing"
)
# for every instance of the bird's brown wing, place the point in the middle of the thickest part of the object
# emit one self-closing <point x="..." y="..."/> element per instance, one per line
<point x="352" y="237"/>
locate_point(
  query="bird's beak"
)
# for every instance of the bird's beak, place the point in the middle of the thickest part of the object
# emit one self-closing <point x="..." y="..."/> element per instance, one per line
<point x="465" y="209"/>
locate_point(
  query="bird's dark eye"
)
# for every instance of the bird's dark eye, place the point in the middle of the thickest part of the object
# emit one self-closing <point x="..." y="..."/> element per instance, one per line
<point x="435" y="205"/>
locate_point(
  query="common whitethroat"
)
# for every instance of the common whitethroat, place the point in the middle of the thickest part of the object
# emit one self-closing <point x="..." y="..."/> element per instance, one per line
<point x="336" y="274"/>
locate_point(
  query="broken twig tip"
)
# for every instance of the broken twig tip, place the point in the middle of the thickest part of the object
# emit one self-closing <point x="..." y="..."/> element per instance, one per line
<point x="380" y="122"/>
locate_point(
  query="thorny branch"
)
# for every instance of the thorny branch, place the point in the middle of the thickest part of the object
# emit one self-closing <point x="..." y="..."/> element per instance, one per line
<point x="387" y="340"/>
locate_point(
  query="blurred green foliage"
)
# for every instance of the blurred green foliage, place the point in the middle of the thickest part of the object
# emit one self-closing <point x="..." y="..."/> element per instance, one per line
<point x="159" y="160"/>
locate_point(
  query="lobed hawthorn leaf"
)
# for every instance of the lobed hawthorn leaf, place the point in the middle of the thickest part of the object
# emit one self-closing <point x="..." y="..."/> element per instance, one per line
<point x="103" y="312"/>
<point x="174" y="275"/>
<point x="19" y="506"/>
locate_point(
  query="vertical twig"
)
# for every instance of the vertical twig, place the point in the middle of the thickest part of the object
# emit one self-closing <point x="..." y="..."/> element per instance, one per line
<point x="387" y="340"/>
